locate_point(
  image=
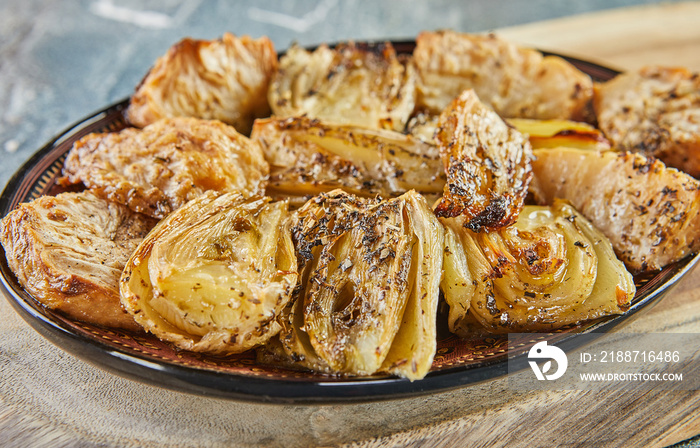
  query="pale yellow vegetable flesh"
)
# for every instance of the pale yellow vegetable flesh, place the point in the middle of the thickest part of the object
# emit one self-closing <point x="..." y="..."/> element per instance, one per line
<point x="349" y="84"/>
<point x="213" y="275"/>
<point x="308" y="157"/>
<point x="555" y="133"/>
<point x="648" y="211"/>
<point x="550" y="269"/>
<point x="369" y="289"/>
<point x="414" y="345"/>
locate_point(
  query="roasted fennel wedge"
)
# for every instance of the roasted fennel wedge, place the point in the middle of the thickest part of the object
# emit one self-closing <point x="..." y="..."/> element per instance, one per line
<point x="648" y="211"/>
<point x="367" y="301"/>
<point x="513" y="80"/>
<point x="213" y="275"/>
<point x="308" y="157"/>
<point x="487" y="164"/>
<point x="550" y="269"/>
<point x="355" y="84"/>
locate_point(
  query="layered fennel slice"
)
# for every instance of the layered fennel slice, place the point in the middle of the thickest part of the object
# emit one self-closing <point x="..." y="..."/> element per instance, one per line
<point x="648" y="211"/>
<point x="353" y="84"/>
<point x="213" y="275"/>
<point x="550" y="269"/>
<point x="309" y="156"/>
<point x="367" y="300"/>
<point x="513" y="80"/>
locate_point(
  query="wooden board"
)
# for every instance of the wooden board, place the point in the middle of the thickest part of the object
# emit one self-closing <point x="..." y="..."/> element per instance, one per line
<point x="626" y="39"/>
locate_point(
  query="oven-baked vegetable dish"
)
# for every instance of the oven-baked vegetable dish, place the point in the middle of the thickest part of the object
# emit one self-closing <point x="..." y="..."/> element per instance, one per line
<point x="318" y="207"/>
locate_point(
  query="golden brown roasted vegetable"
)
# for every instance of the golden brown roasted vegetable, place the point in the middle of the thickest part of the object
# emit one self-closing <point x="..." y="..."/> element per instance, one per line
<point x="308" y="157"/>
<point x="650" y="213"/>
<point x="157" y="169"/>
<point x="213" y="275"/>
<point x="225" y="79"/>
<point x="550" y="269"/>
<point x="514" y="81"/>
<point x="69" y="250"/>
<point x="352" y="84"/>
<point x="655" y="111"/>
<point x="555" y="133"/>
<point x="370" y="273"/>
<point x="487" y="164"/>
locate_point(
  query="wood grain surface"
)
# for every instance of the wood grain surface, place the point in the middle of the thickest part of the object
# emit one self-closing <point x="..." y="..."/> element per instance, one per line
<point x="626" y="38"/>
<point x="51" y="399"/>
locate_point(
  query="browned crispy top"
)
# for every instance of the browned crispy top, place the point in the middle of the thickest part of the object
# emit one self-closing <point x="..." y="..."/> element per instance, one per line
<point x="655" y="110"/>
<point x="349" y="84"/>
<point x="514" y="81"/>
<point x="68" y="252"/>
<point x="224" y="79"/>
<point x="648" y="212"/>
<point x="157" y="169"/>
<point x="487" y="164"/>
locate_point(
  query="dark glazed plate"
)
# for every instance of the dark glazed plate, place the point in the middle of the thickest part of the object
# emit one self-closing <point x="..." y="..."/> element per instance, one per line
<point x="144" y="358"/>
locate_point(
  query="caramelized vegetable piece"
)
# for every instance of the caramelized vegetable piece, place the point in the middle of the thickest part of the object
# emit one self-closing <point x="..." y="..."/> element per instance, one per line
<point x="68" y="252"/>
<point x="214" y="275"/>
<point x="157" y="169"/>
<point x="225" y="79"/>
<point x="655" y="111"/>
<point x="550" y="269"/>
<point x="650" y="213"/>
<point x="308" y="157"/>
<point x="487" y="164"/>
<point x="370" y="273"/>
<point x="514" y="81"/>
<point x="360" y="85"/>
<point x="555" y="133"/>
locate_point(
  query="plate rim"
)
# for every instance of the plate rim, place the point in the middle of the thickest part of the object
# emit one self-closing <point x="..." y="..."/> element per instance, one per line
<point x="249" y="388"/>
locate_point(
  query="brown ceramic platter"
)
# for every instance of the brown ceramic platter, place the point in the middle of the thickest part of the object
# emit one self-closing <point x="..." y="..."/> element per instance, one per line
<point x="142" y="357"/>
